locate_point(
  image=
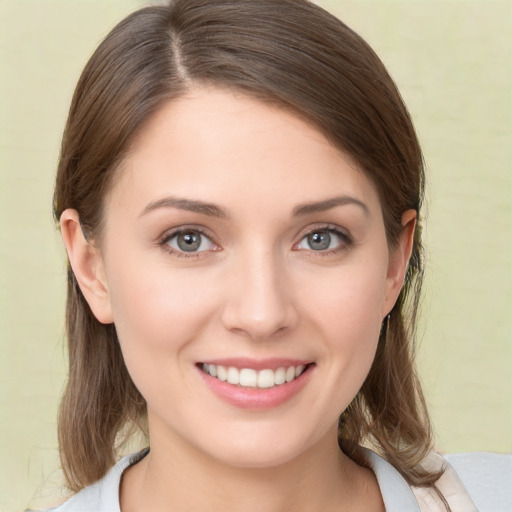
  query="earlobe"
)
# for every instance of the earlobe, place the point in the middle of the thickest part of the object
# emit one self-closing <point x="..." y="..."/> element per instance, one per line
<point x="399" y="259"/>
<point x="87" y="264"/>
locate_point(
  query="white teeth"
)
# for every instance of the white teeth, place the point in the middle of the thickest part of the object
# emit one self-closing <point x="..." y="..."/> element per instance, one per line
<point x="248" y="377"/>
<point x="222" y="374"/>
<point x="266" y="379"/>
<point x="233" y="375"/>
<point x="280" y="377"/>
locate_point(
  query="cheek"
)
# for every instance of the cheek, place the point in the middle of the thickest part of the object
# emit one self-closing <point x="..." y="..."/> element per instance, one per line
<point x="349" y="300"/>
<point x="346" y="310"/>
<point x="341" y="312"/>
<point x="157" y="315"/>
<point x="157" y="311"/>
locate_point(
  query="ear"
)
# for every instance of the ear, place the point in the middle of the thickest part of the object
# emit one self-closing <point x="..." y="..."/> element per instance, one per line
<point x="399" y="259"/>
<point x="87" y="264"/>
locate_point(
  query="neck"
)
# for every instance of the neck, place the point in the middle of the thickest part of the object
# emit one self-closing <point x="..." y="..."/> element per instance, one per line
<point x="174" y="477"/>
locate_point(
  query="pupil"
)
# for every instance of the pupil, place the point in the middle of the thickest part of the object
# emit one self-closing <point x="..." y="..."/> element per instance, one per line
<point x="319" y="241"/>
<point x="189" y="241"/>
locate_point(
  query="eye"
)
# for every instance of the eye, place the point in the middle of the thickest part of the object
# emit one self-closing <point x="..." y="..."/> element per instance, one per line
<point x="189" y="241"/>
<point x="326" y="239"/>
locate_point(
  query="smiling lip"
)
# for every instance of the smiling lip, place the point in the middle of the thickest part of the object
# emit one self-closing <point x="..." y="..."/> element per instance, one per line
<point x="251" y="384"/>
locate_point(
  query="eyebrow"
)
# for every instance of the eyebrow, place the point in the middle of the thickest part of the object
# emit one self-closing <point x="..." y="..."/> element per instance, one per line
<point x="327" y="204"/>
<point x="213" y="210"/>
<point x="186" y="204"/>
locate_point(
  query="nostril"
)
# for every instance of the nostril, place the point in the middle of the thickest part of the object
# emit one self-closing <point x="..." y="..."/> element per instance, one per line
<point x="259" y="324"/>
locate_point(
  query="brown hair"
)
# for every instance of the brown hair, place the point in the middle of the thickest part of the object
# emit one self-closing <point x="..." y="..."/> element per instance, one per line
<point x="290" y="53"/>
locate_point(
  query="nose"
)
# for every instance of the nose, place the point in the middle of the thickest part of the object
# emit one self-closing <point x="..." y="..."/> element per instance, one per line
<point x="260" y="300"/>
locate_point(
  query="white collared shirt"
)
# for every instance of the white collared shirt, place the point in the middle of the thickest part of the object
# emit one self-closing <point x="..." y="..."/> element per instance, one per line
<point x="483" y="479"/>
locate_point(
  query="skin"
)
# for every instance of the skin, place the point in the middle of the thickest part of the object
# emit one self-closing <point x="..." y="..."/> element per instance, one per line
<point x="255" y="289"/>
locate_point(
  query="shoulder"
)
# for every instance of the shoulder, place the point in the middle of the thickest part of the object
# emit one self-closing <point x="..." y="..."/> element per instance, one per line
<point x="103" y="495"/>
<point x="470" y="482"/>
<point x="86" y="500"/>
<point x="487" y="477"/>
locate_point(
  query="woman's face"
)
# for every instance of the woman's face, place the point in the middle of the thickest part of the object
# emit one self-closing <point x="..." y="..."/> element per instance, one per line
<point x="240" y="246"/>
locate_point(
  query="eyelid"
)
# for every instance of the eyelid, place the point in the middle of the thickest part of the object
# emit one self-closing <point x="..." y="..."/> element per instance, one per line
<point x="342" y="233"/>
<point x="319" y="226"/>
<point x="164" y="239"/>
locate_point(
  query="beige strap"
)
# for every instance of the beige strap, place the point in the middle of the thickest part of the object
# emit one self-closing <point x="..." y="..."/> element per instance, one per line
<point x="449" y="486"/>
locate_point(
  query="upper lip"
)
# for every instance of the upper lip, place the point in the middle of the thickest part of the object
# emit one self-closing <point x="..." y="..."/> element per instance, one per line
<point x="257" y="364"/>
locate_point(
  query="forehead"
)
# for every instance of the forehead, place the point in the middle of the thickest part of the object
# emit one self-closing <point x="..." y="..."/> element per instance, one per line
<point x="213" y="144"/>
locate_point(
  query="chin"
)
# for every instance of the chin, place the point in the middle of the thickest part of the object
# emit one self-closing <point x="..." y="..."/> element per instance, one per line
<point x="255" y="458"/>
<point x="264" y="450"/>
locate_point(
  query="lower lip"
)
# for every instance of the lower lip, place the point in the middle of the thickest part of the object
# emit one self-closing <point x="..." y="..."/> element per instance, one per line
<point x="256" y="398"/>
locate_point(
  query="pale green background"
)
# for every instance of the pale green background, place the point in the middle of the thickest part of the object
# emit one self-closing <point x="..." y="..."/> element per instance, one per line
<point x="452" y="62"/>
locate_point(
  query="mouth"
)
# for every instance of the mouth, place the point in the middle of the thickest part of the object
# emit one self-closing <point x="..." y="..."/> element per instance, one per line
<point x="264" y="378"/>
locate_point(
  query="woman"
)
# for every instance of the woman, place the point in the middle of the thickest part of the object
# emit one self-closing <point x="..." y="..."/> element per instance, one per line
<point x="239" y="192"/>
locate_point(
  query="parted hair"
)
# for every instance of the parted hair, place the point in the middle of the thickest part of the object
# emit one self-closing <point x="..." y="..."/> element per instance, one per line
<point x="298" y="57"/>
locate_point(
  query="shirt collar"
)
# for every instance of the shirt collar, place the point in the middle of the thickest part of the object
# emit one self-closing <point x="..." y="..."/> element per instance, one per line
<point x="396" y="493"/>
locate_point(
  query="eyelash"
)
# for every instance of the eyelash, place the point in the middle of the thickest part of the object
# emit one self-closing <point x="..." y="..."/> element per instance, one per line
<point x="169" y="235"/>
<point x="346" y="240"/>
